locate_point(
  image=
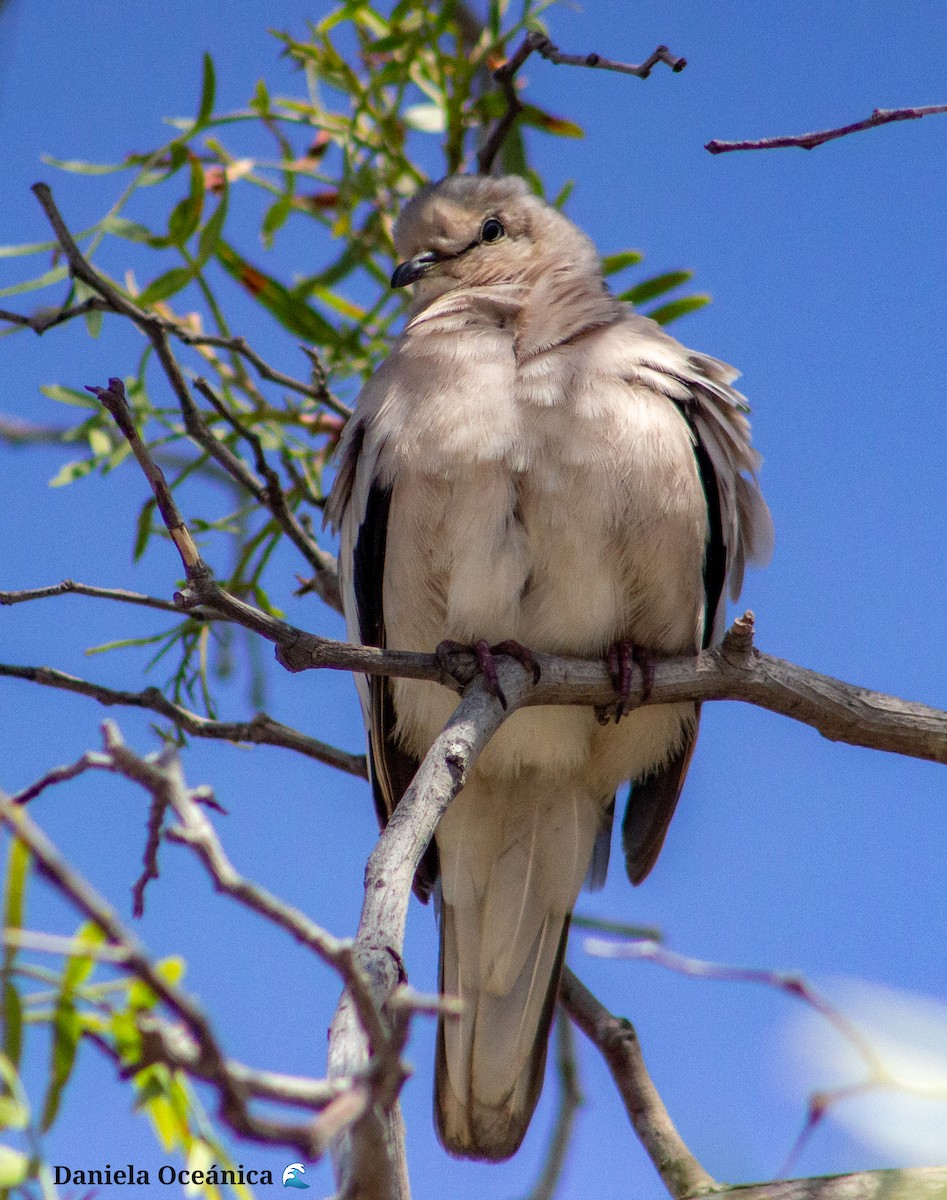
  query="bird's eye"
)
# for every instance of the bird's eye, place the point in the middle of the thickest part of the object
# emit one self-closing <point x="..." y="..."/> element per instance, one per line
<point x="492" y="230"/>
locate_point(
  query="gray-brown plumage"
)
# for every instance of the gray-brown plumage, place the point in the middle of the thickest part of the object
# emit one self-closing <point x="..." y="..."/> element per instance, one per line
<point x="532" y="461"/>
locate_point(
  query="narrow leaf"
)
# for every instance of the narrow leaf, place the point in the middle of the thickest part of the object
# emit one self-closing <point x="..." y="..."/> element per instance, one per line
<point x="291" y="312"/>
<point x="56" y="275"/>
<point x="208" y="91"/>
<point x="14" y="1167"/>
<point x="679" y="308"/>
<point x="165" y="285"/>
<point x="613" y="263"/>
<point x="656" y="286"/>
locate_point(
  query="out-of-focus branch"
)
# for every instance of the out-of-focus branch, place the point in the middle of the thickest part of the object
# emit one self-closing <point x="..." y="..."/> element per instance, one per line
<point x="234" y="1108"/>
<point x="343" y="1102"/>
<point x="615" y="1037"/>
<point x="877" y="1075"/>
<point x="915" y="1183"/>
<point x="48" y="318"/>
<point x="570" y="1101"/>
<point x="809" y="141"/>
<point x="537" y="43"/>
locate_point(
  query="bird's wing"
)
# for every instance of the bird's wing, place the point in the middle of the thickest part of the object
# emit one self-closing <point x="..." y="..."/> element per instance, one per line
<point x="359" y="507"/>
<point x="739" y="530"/>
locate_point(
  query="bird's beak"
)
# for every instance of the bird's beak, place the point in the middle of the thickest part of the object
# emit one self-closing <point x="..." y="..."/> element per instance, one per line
<point x="414" y="268"/>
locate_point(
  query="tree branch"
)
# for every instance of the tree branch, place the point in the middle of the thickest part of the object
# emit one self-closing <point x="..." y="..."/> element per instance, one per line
<point x="809" y="141"/>
<point x="234" y="1109"/>
<point x="158" y="331"/>
<point x="538" y="43"/>
<point x="69" y="587"/>
<point x="615" y="1037"/>
<point x="370" y="1160"/>
<point x="261" y="729"/>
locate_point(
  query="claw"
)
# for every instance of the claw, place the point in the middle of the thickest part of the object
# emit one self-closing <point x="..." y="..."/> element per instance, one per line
<point x="620" y="657"/>
<point x="486" y="660"/>
<point x="523" y="656"/>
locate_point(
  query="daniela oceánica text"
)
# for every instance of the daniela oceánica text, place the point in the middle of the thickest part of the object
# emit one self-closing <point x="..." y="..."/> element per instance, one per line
<point x="142" y="1177"/>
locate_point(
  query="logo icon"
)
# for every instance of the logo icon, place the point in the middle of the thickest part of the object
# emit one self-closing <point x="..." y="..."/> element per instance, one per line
<point x="291" y="1176"/>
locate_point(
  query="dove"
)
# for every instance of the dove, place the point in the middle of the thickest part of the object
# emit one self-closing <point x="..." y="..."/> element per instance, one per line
<point x="533" y="467"/>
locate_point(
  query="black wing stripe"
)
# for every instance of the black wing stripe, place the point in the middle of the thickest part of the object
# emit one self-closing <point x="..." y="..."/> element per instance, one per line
<point x="392" y="769"/>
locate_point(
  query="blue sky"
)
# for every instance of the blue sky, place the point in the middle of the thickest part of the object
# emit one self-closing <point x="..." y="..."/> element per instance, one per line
<point x="829" y="290"/>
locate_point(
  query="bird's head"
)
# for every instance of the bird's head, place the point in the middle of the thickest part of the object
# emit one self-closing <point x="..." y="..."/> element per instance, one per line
<point x="472" y="231"/>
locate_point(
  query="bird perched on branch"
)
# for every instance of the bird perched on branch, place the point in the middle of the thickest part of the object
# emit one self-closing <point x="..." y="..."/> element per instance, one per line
<point x="533" y="467"/>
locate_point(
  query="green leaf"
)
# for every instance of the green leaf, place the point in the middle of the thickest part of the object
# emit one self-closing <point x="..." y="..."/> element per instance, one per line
<point x="208" y="92"/>
<point x="27" y="248"/>
<point x="428" y="118"/>
<point x="679" y="308"/>
<point x="210" y="234"/>
<point x="126" y="643"/>
<point x="12" y="1022"/>
<point x="171" y="969"/>
<point x="56" y="275"/>
<point x="84" y="168"/>
<point x="131" y="231"/>
<point x="186" y="215"/>
<point x="549" y="123"/>
<point x="14" y="901"/>
<point x="71" y="471"/>
<point x="12" y="1114"/>
<point x="65" y="1045"/>
<point x="99" y="442"/>
<point x="71" y="396"/>
<point x="613" y="263"/>
<point x="143" y="529"/>
<point x="656" y="286"/>
<point x="14" y="1167"/>
<point x="276" y="216"/>
<point x="166" y="285"/>
<point x="292" y="313"/>
<point x="564" y="193"/>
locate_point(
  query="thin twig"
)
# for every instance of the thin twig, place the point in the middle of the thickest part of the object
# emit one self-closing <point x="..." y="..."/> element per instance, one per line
<point x="48" y="318"/>
<point x="69" y="587"/>
<point x="809" y="141"/>
<point x="538" y="43"/>
<point x="318" y="391"/>
<point x="617" y="1041"/>
<point x="570" y="1101"/>
<point x="234" y="1109"/>
<point x="261" y="729"/>
<point x="157" y="331"/>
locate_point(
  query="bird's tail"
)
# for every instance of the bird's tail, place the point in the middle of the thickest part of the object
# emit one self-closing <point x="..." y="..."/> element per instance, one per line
<point x="512" y="864"/>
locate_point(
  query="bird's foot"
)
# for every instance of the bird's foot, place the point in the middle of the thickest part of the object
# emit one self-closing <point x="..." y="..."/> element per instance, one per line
<point x="486" y="660"/>
<point x="622" y="657"/>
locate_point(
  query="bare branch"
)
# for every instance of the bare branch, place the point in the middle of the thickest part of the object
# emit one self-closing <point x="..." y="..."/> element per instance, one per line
<point x="615" y="1037"/>
<point x="48" y="318"/>
<point x="69" y="587"/>
<point x="809" y="141"/>
<point x="790" y="982"/>
<point x="916" y="1183"/>
<point x="570" y="1101"/>
<point x="370" y="1160"/>
<point x="80" y="894"/>
<point x="318" y="391"/>
<point x="261" y="729"/>
<point x="538" y="43"/>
